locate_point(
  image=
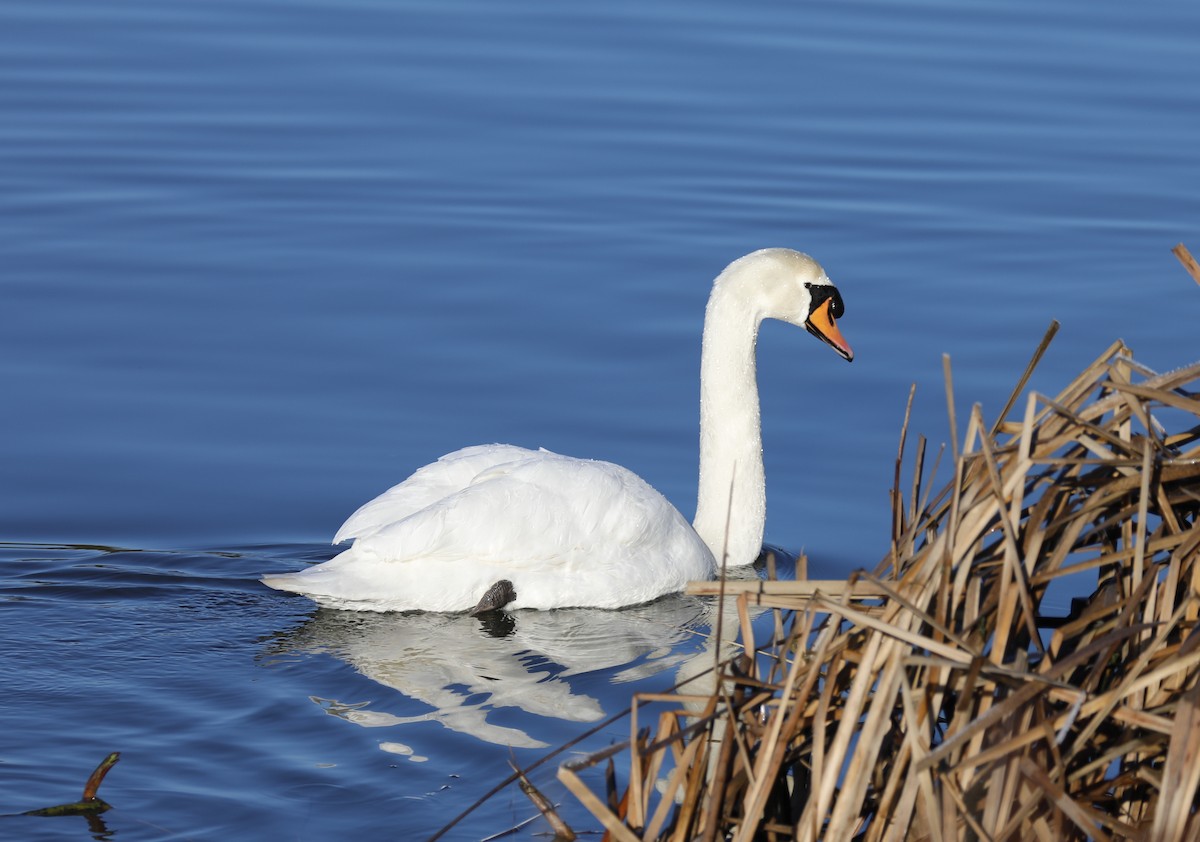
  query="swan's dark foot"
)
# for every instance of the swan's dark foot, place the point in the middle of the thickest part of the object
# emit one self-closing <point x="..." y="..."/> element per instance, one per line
<point x="497" y="596"/>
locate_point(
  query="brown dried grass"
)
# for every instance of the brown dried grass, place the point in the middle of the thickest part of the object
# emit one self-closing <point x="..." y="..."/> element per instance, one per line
<point x="939" y="697"/>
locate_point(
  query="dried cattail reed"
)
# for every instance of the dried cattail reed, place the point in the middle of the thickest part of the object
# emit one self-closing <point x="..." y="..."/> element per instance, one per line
<point x="1021" y="665"/>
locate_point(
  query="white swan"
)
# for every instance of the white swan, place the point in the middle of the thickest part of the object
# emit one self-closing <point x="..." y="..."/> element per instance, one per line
<point x="501" y="526"/>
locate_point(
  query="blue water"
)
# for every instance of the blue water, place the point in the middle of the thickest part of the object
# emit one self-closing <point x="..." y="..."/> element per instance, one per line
<point x="260" y="260"/>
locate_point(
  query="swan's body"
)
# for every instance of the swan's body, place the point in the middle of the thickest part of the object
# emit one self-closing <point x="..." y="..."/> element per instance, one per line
<point x="564" y="531"/>
<point x="561" y="531"/>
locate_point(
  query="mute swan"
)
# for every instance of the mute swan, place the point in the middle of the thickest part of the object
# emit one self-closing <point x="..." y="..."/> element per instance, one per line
<point x="496" y="525"/>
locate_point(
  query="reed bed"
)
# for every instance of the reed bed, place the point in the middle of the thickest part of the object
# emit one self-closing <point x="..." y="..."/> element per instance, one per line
<point x="1021" y="665"/>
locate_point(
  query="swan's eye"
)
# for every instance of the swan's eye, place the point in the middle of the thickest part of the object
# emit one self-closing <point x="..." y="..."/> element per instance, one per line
<point x="836" y="308"/>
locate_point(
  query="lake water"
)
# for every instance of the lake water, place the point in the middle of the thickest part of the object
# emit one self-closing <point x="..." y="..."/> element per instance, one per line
<point x="260" y="260"/>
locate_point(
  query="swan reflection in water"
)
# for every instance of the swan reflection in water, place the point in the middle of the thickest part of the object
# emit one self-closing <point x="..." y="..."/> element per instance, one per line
<point x="465" y="667"/>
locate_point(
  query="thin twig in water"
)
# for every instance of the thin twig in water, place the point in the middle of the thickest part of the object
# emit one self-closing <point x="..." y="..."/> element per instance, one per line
<point x="562" y="832"/>
<point x="89" y="803"/>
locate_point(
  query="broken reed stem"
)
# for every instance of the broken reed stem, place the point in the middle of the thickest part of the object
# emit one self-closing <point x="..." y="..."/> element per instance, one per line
<point x="897" y="497"/>
<point x="1189" y="262"/>
<point x="1051" y="331"/>
<point x="949" y="378"/>
<point x="1024" y="663"/>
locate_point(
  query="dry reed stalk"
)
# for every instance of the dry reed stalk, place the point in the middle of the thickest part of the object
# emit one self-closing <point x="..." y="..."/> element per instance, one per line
<point x="1189" y="262"/>
<point x="1023" y="664"/>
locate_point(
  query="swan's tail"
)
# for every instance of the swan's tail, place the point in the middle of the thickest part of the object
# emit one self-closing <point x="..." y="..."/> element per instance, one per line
<point x="329" y="584"/>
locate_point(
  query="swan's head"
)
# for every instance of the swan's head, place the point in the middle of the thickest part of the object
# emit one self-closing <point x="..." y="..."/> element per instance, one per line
<point x="824" y="309"/>
<point x="793" y="288"/>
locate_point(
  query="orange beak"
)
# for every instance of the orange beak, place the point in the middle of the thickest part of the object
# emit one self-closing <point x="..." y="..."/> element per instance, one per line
<point x="821" y="325"/>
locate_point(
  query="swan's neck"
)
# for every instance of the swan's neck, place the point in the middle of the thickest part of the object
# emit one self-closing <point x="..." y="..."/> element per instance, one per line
<point x="731" y="505"/>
